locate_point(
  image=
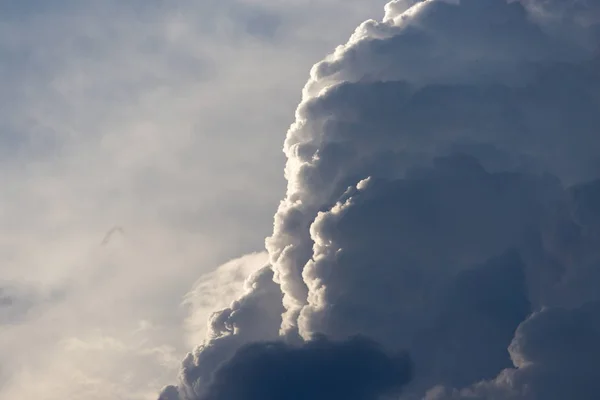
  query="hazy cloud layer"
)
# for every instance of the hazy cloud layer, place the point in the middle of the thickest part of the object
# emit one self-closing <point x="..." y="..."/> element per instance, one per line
<point x="442" y="174"/>
<point x="162" y="120"/>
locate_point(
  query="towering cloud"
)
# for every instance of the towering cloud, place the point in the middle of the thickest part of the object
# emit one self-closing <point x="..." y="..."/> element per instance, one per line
<point x="442" y="195"/>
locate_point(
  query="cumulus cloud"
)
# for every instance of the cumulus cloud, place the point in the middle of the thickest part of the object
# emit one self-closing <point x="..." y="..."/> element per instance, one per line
<point x="319" y="369"/>
<point x="442" y="195"/>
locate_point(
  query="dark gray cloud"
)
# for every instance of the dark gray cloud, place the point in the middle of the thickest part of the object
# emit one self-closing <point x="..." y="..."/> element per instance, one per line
<point x="169" y="393"/>
<point x="381" y="115"/>
<point x="442" y="187"/>
<point x="416" y="234"/>
<point x="556" y="355"/>
<point x="414" y="264"/>
<point x="357" y="369"/>
<point x="469" y="338"/>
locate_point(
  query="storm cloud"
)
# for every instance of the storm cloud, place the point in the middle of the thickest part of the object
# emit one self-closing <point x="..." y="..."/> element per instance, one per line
<point x="319" y="369"/>
<point x="442" y="199"/>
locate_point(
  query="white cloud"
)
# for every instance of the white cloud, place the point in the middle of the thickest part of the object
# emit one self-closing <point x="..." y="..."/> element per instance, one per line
<point x="217" y="290"/>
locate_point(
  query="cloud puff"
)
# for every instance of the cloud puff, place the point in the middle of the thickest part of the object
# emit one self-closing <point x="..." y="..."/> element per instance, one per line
<point x="318" y="369"/>
<point x="441" y="188"/>
<point x="217" y="290"/>
<point x="255" y="316"/>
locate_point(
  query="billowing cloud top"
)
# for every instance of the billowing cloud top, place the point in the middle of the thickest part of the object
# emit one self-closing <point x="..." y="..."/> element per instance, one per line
<point x="443" y="199"/>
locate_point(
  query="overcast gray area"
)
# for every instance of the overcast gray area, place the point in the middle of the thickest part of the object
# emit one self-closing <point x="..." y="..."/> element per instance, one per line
<point x="442" y="202"/>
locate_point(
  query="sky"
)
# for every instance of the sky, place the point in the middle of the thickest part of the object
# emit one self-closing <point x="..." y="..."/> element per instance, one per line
<point x="140" y="148"/>
<point x="432" y="223"/>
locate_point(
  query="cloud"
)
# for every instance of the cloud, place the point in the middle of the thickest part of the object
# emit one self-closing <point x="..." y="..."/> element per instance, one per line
<point x="555" y="353"/>
<point x="356" y="128"/>
<point x="318" y="369"/>
<point x="413" y="264"/>
<point x="442" y="171"/>
<point x="256" y="316"/>
<point x="217" y="290"/>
